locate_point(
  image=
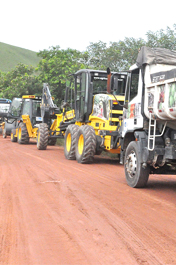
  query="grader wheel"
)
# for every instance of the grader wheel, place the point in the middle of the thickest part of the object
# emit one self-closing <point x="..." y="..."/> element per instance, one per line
<point x="4" y="134"/>
<point x="85" y="144"/>
<point x="23" y="137"/>
<point x="12" y="136"/>
<point x="70" y="141"/>
<point x="42" y="136"/>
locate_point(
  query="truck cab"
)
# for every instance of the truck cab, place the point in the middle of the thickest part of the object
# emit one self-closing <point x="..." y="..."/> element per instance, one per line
<point x="148" y="130"/>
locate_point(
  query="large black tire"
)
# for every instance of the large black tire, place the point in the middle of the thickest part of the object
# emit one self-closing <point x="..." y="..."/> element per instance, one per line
<point x="42" y="136"/>
<point x="70" y="141"/>
<point x="136" y="175"/>
<point x="85" y="144"/>
<point x="22" y="137"/>
<point x="12" y="136"/>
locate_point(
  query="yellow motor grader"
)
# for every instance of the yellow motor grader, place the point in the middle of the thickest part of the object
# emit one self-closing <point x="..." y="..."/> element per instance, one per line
<point x="90" y="115"/>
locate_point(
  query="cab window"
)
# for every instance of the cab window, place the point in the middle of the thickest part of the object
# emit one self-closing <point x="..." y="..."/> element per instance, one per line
<point x="134" y="84"/>
<point x="26" y="107"/>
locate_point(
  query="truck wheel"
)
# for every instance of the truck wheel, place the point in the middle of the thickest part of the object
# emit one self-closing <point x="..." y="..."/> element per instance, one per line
<point x="42" y="136"/>
<point x="85" y="144"/>
<point x="4" y="134"/>
<point x="12" y="136"/>
<point x="136" y="175"/>
<point x="70" y="141"/>
<point x="23" y="137"/>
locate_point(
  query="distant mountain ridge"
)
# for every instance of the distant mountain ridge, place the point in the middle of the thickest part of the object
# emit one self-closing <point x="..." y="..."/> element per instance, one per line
<point x="11" y="55"/>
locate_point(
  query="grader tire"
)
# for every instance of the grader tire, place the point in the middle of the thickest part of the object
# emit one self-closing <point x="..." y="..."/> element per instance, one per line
<point x="70" y="141"/>
<point x="42" y="136"/>
<point x="4" y="134"/>
<point x="85" y="144"/>
<point x="23" y="137"/>
<point x="12" y="136"/>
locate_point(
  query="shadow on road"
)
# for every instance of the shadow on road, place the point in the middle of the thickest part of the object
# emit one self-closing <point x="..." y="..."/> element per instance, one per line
<point x="169" y="184"/>
<point x="106" y="160"/>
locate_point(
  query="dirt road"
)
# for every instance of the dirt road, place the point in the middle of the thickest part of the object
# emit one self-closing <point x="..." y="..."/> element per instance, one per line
<point x="55" y="211"/>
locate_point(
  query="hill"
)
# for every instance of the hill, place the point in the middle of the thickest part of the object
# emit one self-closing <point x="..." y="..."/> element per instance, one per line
<point x="11" y="55"/>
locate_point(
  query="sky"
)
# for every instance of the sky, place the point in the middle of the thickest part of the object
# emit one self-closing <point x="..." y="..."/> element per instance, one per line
<point x="39" y="24"/>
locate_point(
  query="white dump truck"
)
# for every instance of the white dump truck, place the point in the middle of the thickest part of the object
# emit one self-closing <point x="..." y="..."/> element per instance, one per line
<point x="148" y="131"/>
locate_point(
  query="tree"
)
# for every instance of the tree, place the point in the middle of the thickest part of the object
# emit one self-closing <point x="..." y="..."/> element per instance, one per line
<point x="118" y="56"/>
<point x="21" y="80"/>
<point x="55" y="67"/>
<point x="97" y="55"/>
<point x="123" y="54"/>
<point x="162" y="38"/>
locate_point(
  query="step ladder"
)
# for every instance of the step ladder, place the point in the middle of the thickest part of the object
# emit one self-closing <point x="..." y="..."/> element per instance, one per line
<point x="151" y="133"/>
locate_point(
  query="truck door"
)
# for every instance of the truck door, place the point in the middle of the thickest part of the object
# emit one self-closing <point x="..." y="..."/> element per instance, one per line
<point x="132" y="113"/>
<point x="80" y="91"/>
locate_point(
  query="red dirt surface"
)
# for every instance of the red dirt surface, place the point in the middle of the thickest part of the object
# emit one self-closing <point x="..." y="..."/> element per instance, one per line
<point x="55" y="211"/>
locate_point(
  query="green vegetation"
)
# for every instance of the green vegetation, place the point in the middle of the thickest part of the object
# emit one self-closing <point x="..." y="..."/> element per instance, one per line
<point x="53" y="66"/>
<point x="10" y="56"/>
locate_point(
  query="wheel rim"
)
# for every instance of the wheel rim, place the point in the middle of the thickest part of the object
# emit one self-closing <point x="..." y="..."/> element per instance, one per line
<point x="38" y="137"/>
<point x="4" y="133"/>
<point x="19" y="133"/>
<point x="68" y="142"/>
<point x="131" y="164"/>
<point x="80" y="144"/>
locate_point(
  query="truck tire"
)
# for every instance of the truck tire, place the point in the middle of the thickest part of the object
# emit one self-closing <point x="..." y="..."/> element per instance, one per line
<point x="85" y="144"/>
<point x="136" y="175"/>
<point x="70" y="141"/>
<point x="22" y="137"/>
<point x="42" y="136"/>
<point x="12" y="136"/>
